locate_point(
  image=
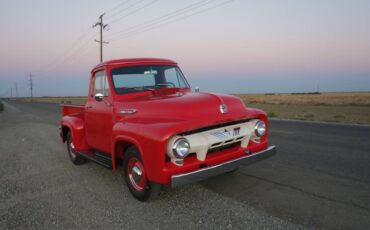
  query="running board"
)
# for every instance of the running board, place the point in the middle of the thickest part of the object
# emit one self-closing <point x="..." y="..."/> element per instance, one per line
<point x="98" y="157"/>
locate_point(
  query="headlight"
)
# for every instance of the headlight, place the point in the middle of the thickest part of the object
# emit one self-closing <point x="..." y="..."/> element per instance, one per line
<point x="181" y="148"/>
<point x="260" y="128"/>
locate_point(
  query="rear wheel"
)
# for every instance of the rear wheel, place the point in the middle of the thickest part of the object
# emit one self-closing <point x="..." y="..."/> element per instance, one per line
<point x="136" y="178"/>
<point x="233" y="170"/>
<point x="73" y="155"/>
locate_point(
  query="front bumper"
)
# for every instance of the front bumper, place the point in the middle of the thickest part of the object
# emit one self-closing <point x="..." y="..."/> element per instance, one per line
<point x="204" y="173"/>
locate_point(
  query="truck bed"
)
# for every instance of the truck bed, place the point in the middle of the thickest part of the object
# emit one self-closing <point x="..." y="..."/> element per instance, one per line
<point x="73" y="110"/>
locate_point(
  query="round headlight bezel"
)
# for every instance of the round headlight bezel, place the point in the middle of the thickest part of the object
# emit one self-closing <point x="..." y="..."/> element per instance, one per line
<point x="260" y="128"/>
<point x="178" y="150"/>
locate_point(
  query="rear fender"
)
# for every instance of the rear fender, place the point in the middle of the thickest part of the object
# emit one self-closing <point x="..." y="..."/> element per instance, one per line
<point x="77" y="129"/>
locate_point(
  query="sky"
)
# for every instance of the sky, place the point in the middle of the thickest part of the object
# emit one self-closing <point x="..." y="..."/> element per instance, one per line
<point x="225" y="46"/>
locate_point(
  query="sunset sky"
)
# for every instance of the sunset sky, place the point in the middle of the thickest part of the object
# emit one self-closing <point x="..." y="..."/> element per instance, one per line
<point x="240" y="46"/>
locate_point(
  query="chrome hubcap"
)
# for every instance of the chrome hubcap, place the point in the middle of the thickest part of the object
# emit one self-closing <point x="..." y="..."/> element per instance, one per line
<point x="72" y="150"/>
<point x="136" y="174"/>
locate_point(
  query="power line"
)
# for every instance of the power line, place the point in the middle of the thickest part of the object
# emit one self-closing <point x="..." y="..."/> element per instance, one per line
<point x="56" y="61"/>
<point x="102" y="27"/>
<point x="166" y="22"/>
<point x="78" y="45"/>
<point x="81" y="53"/>
<point x="78" y="50"/>
<point x="127" y="8"/>
<point x="165" y="17"/>
<point x="83" y="42"/>
<point x="117" y="6"/>
<point x="81" y="48"/>
<point x="133" y="12"/>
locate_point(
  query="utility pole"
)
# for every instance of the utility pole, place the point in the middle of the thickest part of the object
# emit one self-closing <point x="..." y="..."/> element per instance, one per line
<point x="102" y="27"/>
<point x="11" y="92"/>
<point x="16" y="89"/>
<point x="31" y="86"/>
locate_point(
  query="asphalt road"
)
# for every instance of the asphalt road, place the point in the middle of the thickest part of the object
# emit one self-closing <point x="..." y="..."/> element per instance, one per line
<point x="320" y="179"/>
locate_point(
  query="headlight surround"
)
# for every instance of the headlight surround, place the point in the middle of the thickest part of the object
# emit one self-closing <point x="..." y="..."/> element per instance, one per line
<point x="260" y="128"/>
<point x="181" y="148"/>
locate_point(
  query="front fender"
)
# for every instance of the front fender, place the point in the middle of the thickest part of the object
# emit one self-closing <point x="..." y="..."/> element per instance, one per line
<point x="152" y="148"/>
<point x="77" y="128"/>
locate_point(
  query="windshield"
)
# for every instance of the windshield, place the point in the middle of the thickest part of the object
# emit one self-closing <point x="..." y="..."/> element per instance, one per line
<point x="142" y="78"/>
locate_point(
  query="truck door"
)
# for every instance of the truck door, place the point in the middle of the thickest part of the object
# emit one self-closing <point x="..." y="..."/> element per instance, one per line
<point x="99" y="114"/>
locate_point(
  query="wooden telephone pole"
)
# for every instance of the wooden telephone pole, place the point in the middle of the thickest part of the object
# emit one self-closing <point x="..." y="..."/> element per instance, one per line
<point x="31" y="86"/>
<point x="16" y="90"/>
<point x="102" y="27"/>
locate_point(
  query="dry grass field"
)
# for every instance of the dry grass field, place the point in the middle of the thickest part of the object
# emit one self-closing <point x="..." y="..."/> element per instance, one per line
<point x="333" y="107"/>
<point x="62" y="100"/>
<point x="337" y="99"/>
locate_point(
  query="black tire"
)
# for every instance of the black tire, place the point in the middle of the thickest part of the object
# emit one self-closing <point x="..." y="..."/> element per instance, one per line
<point x="73" y="155"/>
<point x="140" y="187"/>
<point x="232" y="171"/>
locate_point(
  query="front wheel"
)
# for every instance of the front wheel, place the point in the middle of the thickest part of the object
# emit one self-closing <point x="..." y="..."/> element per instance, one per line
<point x="73" y="155"/>
<point x="135" y="175"/>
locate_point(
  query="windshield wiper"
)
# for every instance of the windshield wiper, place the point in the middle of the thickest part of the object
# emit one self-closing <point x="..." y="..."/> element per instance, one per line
<point x="140" y="88"/>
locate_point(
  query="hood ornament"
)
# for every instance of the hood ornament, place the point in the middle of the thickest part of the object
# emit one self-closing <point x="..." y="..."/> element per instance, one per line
<point x="223" y="108"/>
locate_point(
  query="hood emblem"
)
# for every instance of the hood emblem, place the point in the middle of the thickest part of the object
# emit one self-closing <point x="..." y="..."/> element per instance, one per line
<point x="223" y="108"/>
<point x="128" y="111"/>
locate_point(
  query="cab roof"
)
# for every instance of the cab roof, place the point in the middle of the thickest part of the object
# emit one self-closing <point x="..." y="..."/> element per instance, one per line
<point x="136" y="61"/>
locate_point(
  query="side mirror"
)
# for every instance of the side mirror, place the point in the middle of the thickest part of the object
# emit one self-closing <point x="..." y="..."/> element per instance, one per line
<point x="99" y="97"/>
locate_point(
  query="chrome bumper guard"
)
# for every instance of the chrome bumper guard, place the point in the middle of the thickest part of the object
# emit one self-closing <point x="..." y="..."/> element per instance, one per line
<point x="204" y="173"/>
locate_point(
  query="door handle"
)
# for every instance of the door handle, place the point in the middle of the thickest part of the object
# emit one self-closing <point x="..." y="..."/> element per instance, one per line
<point x="88" y="107"/>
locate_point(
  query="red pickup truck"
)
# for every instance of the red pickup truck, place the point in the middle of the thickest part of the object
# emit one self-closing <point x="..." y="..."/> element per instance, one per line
<point x="142" y="115"/>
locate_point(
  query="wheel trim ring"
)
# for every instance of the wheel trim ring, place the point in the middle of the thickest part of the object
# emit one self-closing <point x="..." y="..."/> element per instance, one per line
<point x="137" y="182"/>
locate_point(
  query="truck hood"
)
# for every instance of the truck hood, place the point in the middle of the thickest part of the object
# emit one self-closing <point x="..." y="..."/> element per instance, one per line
<point x="193" y="110"/>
